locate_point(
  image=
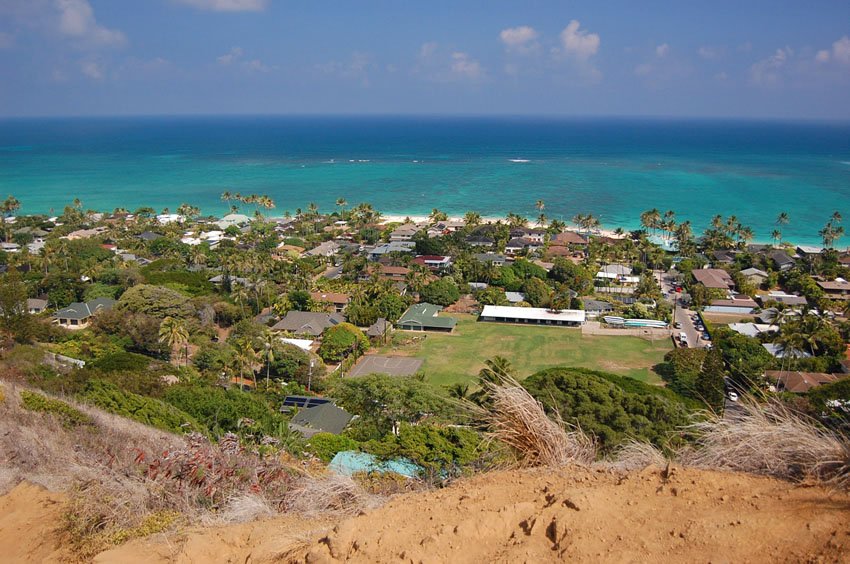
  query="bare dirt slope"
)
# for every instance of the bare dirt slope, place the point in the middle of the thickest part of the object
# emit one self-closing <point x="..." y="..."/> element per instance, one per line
<point x="30" y="519"/>
<point x="583" y="515"/>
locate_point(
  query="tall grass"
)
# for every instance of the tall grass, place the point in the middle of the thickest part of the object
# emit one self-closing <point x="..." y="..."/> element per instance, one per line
<point x="769" y="439"/>
<point x="514" y="418"/>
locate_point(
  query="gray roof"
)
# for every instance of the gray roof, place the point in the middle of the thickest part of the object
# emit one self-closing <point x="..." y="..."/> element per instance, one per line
<point x="489" y="257"/>
<point x="308" y="322"/>
<point x="325" y="418"/>
<point x="82" y="311"/>
<point x="596" y="305"/>
<point x="149" y="236"/>
<point x="378" y="329"/>
<point x="754" y="272"/>
<point x="394" y="247"/>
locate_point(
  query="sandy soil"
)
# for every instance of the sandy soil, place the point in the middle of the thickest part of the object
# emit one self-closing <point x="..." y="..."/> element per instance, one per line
<point x="584" y="515"/>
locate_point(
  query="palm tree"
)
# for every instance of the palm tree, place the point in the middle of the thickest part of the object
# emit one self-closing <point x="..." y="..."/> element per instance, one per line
<point x="313" y="210"/>
<point x="10" y="205"/>
<point x="341" y="203"/>
<point x="269" y="341"/>
<point x="437" y="216"/>
<point x="173" y="333"/>
<point x="782" y="219"/>
<point x="472" y="218"/>
<point x="246" y="356"/>
<point x="650" y="219"/>
<point x="497" y="369"/>
<point x="776" y="236"/>
<point x="540" y="205"/>
<point x="541" y="219"/>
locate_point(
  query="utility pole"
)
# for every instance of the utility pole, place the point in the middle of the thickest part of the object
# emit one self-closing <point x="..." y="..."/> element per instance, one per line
<point x="310" y="376"/>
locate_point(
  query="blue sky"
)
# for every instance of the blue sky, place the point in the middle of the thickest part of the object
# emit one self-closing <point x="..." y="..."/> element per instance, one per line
<point x="662" y="58"/>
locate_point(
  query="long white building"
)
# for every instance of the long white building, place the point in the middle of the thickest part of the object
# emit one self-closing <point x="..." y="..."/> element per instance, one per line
<point x="533" y="315"/>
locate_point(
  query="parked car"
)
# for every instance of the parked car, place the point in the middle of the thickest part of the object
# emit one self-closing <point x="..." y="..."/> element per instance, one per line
<point x="677" y="325"/>
<point x="732" y="396"/>
<point x="705" y="337"/>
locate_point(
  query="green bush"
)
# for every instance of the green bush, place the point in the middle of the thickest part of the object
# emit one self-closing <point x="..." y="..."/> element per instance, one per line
<point x="146" y="410"/>
<point x="341" y="340"/>
<point x="221" y="410"/>
<point x="438" y="449"/>
<point x="121" y="361"/>
<point x="325" y="445"/>
<point x="442" y="292"/>
<point x="69" y="416"/>
<point x="612" y="408"/>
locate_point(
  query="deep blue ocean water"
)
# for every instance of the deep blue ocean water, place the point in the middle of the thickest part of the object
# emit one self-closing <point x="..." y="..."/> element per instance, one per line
<point x="613" y="168"/>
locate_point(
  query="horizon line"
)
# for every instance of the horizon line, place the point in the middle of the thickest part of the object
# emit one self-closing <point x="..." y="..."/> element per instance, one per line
<point x="441" y="115"/>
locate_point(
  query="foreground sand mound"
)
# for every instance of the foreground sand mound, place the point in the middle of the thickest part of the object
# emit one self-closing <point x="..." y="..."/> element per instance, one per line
<point x="680" y="515"/>
<point x="683" y="515"/>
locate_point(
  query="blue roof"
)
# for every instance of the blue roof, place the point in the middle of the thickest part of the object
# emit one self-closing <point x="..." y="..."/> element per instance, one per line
<point x="350" y="462"/>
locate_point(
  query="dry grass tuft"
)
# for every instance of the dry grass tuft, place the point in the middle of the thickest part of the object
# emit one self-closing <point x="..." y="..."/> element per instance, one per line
<point x="519" y="421"/>
<point x="246" y="507"/>
<point x="637" y="455"/>
<point x="334" y="494"/>
<point x="771" y="440"/>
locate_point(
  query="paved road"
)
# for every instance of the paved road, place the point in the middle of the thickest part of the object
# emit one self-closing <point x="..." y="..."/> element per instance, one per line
<point x="667" y="281"/>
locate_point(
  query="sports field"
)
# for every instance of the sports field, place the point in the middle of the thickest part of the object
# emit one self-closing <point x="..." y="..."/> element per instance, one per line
<point x="457" y="357"/>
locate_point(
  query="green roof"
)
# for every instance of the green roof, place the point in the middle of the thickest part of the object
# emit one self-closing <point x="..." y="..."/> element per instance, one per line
<point x="425" y="315"/>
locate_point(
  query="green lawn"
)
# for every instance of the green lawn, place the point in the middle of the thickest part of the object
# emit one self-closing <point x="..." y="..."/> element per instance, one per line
<point x="459" y="356"/>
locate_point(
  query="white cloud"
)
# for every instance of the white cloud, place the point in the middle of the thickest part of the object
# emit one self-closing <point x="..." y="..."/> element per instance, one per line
<point x="255" y="65"/>
<point x="92" y="70"/>
<point x="7" y="40"/>
<point x="77" y="21"/>
<point x="464" y="66"/>
<point x="707" y="52"/>
<point x="578" y="43"/>
<point x="522" y="39"/>
<point x="822" y="56"/>
<point x="841" y="50"/>
<point x="230" y="57"/>
<point x="356" y="68"/>
<point x="227" y="5"/>
<point x="428" y="49"/>
<point x="662" y="50"/>
<point x="768" y="71"/>
<point x="643" y="69"/>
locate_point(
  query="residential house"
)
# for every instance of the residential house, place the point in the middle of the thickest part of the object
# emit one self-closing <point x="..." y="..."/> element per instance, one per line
<point x="325" y="249"/>
<point x="387" y="272"/>
<point x="755" y="276"/>
<point x="713" y="278"/>
<point x="149" y="236"/>
<point x="451" y="225"/>
<point x="322" y="418"/>
<point x="311" y="323"/>
<point x="435" y="263"/>
<point x="495" y="259"/>
<point x="738" y="304"/>
<point x="84" y="233"/>
<point x="782" y="260"/>
<point x="379" y="331"/>
<point x="518" y="245"/>
<point x="515" y="297"/>
<point x="838" y="289"/>
<point x="782" y="298"/>
<point x="533" y="315"/>
<point x="568" y="238"/>
<point x="406" y="247"/>
<point x="723" y="257"/>
<point x="533" y="234"/>
<point x="78" y="315"/>
<point x="480" y="241"/>
<point x="809" y="251"/>
<point x="335" y="300"/>
<point x="404" y="232"/>
<point x="36" y="306"/>
<point x="595" y="308"/>
<point x="424" y="317"/>
<point x="780" y="352"/>
<point x="233" y="220"/>
<point x="799" y="382"/>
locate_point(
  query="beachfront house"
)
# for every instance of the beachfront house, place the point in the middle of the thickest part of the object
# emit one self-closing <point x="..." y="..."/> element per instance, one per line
<point x="782" y="260"/>
<point x="533" y="315"/>
<point x="404" y="232"/>
<point x="424" y="317"/>
<point x="78" y="315"/>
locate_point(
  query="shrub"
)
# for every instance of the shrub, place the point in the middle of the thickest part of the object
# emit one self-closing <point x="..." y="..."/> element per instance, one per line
<point x="442" y="292"/>
<point x="221" y="411"/>
<point x="120" y="362"/>
<point x="69" y="416"/>
<point x="325" y="445"/>
<point x="609" y="407"/>
<point x="150" y="411"/>
<point x="340" y="340"/>
<point x="156" y="301"/>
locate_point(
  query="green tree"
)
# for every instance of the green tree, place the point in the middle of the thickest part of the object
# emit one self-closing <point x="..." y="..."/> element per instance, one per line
<point x="14" y="318"/>
<point x="156" y="301"/>
<point x="537" y="292"/>
<point x="710" y="383"/>
<point x="173" y="334"/>
<point x="442" y="292"/>
<point x="341" y="340"/>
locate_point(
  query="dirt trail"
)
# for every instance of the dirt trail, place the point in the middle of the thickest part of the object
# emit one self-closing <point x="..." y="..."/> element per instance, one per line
<point x="584" y="515"/>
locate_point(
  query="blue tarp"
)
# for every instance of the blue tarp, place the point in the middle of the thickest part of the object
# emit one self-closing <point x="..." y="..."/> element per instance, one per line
<point x="350" y="462"/>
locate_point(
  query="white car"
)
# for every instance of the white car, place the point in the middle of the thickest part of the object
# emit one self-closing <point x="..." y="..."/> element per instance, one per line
<point x="732" y="396"/>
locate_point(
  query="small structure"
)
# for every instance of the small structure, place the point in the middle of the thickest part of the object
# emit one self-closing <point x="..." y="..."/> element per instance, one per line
<point x="36" y="306"/>
<point x="78" y="315"/>
<point x="423" y="317"/>
<point x="514" y="297"/>
<point x="323" y="418"/>
<point x="311" y="323"/>
<point x="780" y="352"/>
<point x="379" y="331"/>
<point x="390" y="365"/>
<point x="533" y="315"/>
<point x="303" y="344"/>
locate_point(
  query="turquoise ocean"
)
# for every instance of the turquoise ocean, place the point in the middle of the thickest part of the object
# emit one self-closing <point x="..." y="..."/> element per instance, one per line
<point x="612" y="168"/>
